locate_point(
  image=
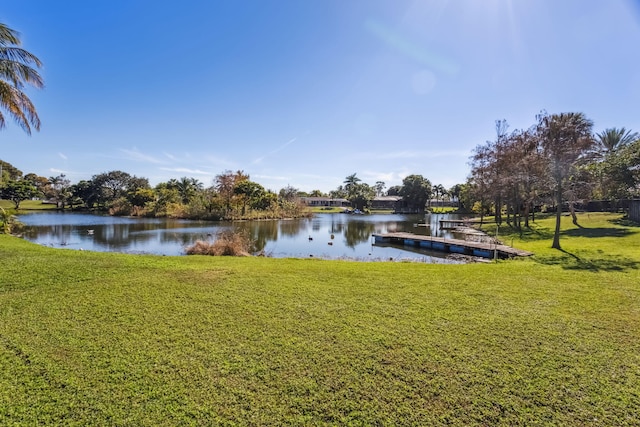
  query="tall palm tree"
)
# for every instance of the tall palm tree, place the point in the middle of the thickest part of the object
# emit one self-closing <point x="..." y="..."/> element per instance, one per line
<point x="17" y="68"/>
<point x="439" y="191"/>
<point x="350" y="183"/>
<point x="564" y="137"/>
<point x="455" y="192"/>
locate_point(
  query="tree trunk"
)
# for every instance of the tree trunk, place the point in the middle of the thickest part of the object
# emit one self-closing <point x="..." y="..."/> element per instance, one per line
<point x="517" y="216"/>
<point x="574" y="218"/>
<point x="556" y="234"/>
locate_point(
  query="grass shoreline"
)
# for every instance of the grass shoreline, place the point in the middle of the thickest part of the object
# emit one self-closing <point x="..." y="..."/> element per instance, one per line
<point x="103" y="338"/>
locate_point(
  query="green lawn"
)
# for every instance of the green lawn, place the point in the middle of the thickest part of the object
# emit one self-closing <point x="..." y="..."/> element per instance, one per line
<point x="28" y="205"/>
<point x="326" y="209"/>
<point x="109" y="339"/>
<point x="443" y="209"/>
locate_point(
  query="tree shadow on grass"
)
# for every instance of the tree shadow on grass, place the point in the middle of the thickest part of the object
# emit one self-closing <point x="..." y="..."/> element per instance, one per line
<point x="593" y="262"/>
<point x="531" y="234"/>
<point x="598" y="232"/>
<point x="625" y="222"/>
<point x="540" y="233"/>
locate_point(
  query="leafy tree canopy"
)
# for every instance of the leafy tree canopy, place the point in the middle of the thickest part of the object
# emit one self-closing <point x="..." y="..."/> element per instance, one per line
<point x="416" y="191"/>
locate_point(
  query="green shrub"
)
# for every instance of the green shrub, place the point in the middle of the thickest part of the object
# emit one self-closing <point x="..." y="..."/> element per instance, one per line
<point x="8" y="221"/>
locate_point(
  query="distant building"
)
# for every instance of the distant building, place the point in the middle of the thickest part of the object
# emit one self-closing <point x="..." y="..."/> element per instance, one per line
<point x="394" y="203"/>
<point x="634" y="210"/>
<point x="440" y="203"/>
<point x="386" y="202"/>
<point x="325" y="202"/>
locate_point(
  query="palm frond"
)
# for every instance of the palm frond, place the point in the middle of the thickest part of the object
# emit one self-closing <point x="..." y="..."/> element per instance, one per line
<point x="17" y="68"/>
<point x="19" y="74"/>
<point x="610" y="140"/>
<point x="19" y="107"/>
<point x="17" y="54"/>
<point x="8" y="36"/>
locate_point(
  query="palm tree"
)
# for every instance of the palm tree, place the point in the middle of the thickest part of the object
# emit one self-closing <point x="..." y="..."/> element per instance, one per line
<point x="187" y="188"/>
<point x="444" y="193"/>
<point x="455" y="192"/>
<point x="16" y="70"/>
<point x="608" y="144"/>
<point x="609" y="140"/>
<point x="439" y="189"/>
<point x="59" y="187"/>
<point x="565" y="138"/>
<point x="7" y="221"/>
<point x="350" y="182"/>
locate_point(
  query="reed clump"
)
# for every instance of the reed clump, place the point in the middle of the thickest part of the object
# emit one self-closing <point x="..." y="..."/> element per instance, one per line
<point x="226" y="243"/>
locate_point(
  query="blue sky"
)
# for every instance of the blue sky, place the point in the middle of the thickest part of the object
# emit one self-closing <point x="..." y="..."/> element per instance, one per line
<point x="306" y="92"/>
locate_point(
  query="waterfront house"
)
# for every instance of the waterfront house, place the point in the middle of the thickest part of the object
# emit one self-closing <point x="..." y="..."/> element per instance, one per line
<point x="318" y="202"/>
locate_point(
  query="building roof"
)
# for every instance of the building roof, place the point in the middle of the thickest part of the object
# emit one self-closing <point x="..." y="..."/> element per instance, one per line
<point x="323" y="199"/>
<point x="387" y="198"/>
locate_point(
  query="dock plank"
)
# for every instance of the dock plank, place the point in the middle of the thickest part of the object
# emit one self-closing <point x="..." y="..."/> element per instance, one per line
<point x="403" y="237"/>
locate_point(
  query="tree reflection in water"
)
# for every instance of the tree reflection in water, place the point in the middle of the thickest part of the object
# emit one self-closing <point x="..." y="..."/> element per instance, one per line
<point x="358" y="232"/>
<point x="292" y="227"/>
<point x="334" y="236"/>
<point x="260" y="232"/>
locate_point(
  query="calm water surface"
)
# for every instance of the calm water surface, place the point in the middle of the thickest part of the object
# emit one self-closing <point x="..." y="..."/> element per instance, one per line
<point x="301" y="238"/>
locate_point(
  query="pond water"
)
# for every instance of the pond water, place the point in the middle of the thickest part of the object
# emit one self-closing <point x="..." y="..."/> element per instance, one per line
<point x="328" y="236"/>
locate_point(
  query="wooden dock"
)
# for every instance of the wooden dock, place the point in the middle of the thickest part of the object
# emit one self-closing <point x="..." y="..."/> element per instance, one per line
<point x="449" y="224"/>
<point x="485" y="250"/>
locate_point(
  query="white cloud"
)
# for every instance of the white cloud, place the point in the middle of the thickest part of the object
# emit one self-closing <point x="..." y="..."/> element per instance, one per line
<point x="275" y="178"/>
<point x="282" y="147"/>
<point x="137" y="156"/>
<point x="379" y="176"/>
<point x="422" y="154"/>
<point x="217" y="162"/>
<point x="62" y="156"/>
<point x="187" y="171"/>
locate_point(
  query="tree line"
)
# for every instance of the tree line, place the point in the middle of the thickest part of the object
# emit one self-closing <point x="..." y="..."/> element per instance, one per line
<point x="232" y="195"/>
<point x="416" y="192"/>
<point x="555" y="164"/>
<point x="558" y="162"/>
